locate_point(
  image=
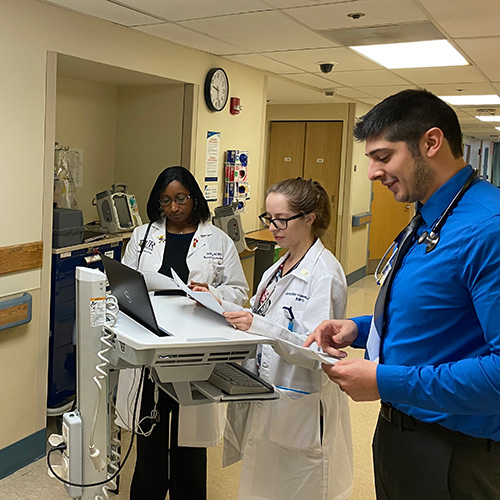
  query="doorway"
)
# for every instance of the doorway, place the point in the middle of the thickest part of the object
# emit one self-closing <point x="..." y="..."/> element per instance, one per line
<point x="308" y="149"/>
<point x="389" y="217"/>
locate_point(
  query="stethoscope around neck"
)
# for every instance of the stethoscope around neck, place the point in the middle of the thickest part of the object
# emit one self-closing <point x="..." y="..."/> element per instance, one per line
<point x="431" y="239"/>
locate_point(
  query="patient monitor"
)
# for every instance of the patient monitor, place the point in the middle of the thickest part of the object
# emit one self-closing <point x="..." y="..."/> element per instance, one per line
<point x="230" y="222"/>
<point x="117" y="209"/>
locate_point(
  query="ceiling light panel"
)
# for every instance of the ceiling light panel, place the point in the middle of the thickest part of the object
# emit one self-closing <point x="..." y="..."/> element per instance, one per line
<point x="425" y="54"/>
<point x="488" y="118"/>
<point x="471" y="100"/>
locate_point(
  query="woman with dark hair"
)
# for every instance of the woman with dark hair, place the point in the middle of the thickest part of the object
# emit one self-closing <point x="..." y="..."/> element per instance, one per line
<point x="179" y="236"/>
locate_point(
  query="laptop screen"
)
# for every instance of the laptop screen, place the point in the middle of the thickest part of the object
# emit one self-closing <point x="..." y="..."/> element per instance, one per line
<point x="129" y="288"/>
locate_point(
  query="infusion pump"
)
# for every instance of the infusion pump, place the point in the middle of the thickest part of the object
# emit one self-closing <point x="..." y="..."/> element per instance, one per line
<point x="117" y="209"/>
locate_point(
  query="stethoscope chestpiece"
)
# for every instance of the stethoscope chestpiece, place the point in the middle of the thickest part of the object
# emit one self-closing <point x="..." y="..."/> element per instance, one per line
<point x="431" y="240"/>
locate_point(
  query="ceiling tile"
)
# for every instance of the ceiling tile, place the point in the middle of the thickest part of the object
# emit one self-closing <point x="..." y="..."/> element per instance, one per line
<point x="176" y="10"/>
<point x="391" y="33"/>
<point x="263" y="63"/>
<point x="467" y="89"/>
<point x="384" y="91"/>
<point x="463" y="18"/>
<point x="190" y="38"/>
<point x="377" y="12"/>
<point x="352" y="93"/>
<point x="107" y="11"/>
<point x="453" y="74"/>
<point x="310" y="79"/>
<point x="484" y="53"/>
<point x="370" y="77"/>
<point x="283" y="4"/>
<point x="372" y="101"/>
<point x="345" y="59"/>
<point x="285" y="92"/>
<point x="260" y="31"/>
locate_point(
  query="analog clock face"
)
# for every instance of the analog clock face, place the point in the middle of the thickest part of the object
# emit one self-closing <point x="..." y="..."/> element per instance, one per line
<point x="216" y="89"/>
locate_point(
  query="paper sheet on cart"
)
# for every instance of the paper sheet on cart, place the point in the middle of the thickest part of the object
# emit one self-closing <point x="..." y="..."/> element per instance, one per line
<point x="204" y="298"/>
<point x="311" y="352"/>
<point x="158" y="282"/>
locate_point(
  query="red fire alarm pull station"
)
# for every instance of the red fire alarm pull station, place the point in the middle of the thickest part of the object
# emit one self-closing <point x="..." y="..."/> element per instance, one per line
<point x="235" y="106"/>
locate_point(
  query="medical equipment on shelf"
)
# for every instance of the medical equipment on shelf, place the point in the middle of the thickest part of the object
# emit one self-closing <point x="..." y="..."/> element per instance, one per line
<point x="117" y="209"/>
<point x="108" y="340"/>
<point x="229" y="221"/>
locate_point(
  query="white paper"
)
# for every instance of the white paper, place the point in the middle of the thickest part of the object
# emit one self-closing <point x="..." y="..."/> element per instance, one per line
<point x="204" y="298"/>
<point x="310" y="352"/>
<point x="157" y="281"/>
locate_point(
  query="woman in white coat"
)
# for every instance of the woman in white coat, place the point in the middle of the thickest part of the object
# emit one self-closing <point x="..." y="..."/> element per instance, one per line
<point x="298" y="447"/>
<point x="179" y="236"/>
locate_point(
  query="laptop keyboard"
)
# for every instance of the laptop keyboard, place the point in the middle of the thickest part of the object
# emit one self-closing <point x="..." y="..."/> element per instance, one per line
<point x="233" y="380"/>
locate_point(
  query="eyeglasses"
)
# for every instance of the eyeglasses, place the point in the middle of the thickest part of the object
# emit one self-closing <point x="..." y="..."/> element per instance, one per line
<point x="277" y="223"/>
<point x="179" y="200"/>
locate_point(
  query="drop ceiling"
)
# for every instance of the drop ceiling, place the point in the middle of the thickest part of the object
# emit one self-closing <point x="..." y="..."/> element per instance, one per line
<point x="288" y="38"/>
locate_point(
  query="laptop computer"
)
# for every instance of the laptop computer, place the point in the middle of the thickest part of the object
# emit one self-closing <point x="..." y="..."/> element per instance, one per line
<point x="129" y="287"/>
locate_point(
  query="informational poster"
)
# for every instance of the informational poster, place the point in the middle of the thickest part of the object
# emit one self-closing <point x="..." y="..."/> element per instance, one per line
<point x="212" y="164"/>
<point x="211" y="192"/>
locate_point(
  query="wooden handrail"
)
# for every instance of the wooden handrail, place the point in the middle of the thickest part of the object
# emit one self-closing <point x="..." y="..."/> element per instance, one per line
<point x="21" y="257"/>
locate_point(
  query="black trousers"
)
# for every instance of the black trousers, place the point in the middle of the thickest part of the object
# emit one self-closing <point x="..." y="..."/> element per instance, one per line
<point x="416" y="461"/>
<point x="184" y="473"/>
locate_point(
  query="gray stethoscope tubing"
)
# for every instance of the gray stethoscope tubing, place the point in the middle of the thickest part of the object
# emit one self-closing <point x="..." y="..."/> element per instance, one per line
<point x="432" y="239"/>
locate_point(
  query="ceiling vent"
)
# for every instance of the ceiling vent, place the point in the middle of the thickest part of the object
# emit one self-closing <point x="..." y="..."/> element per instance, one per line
<point x="392" y="33"/>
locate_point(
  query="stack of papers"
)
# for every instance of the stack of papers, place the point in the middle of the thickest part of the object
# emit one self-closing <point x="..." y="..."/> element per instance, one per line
<point x="157" y="281"/>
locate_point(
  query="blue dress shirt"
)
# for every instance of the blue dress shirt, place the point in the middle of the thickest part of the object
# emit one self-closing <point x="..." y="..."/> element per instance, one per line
<point x="440" y="356"/>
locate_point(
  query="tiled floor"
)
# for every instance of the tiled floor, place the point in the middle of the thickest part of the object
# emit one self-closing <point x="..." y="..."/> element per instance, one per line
<point x="33" y="483"/>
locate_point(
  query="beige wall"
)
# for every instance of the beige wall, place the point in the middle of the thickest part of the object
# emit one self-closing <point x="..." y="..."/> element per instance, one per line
<point x="86" y="120"/>
<point x="29" y="32"/>
<point x="149" y="136"/>
<point x="360" y="200"/>
<point x="352" y="243"/>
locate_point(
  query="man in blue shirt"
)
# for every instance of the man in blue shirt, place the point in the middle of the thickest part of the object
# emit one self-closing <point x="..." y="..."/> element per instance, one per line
<point x="437" y="358"/>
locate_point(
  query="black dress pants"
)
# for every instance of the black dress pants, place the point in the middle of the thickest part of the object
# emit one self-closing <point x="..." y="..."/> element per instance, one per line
<point x="418" y="461"/>
<point x="183" y="471"/>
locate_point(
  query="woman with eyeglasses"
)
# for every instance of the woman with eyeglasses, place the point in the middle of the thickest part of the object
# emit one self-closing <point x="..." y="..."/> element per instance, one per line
<point x="179" y="236"/>
<point x="298" y="447"/>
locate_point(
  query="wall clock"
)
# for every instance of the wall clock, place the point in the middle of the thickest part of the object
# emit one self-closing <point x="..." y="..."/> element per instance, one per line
<point x="216" y="89"/>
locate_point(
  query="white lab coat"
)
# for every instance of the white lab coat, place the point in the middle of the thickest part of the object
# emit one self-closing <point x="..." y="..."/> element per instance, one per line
<point x="213" y="259"/>
<point x="284" y="456"/>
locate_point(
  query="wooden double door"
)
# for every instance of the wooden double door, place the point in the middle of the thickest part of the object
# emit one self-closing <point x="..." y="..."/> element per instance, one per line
<point x="308" y="149"/>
